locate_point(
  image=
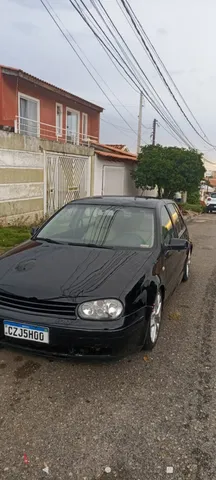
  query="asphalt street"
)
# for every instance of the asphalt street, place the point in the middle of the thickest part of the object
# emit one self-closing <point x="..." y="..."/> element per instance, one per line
<point x="147" y="417"/>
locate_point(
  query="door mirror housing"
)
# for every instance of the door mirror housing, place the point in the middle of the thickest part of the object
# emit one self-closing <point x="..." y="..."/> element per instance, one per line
<point x="177" y="244"/>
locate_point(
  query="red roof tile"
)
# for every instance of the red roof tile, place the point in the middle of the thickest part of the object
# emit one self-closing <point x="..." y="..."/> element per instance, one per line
<point x="118" y="156"/>
<point x="119" y="146"/>
<point x="106" y="147"/>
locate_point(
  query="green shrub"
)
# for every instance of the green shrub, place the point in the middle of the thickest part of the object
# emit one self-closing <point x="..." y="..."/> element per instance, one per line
<point x="198" y="208"/>
<point x="193" y="198"/>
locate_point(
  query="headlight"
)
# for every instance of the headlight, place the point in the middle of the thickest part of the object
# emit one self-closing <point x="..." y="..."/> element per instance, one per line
<point x="109" y="309"/>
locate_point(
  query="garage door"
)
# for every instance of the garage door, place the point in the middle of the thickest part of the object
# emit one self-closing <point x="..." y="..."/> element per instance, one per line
<point x="113" y="180"/>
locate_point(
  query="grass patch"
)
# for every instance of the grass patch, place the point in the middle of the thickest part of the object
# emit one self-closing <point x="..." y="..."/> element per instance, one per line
<point x="198" y="208"/>
<point x="11" y="236"/>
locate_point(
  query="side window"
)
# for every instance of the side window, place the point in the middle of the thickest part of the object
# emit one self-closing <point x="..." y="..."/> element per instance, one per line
<point x="167" y="226"/>
<point x="176" y="218"/>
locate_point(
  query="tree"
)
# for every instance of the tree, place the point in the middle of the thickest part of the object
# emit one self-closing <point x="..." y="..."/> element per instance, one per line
<point x="171" y="169"/>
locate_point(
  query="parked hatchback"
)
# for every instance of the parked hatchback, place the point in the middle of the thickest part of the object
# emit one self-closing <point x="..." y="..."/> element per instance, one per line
<point x="94" y="278"/>
<point x="211" y="203"/>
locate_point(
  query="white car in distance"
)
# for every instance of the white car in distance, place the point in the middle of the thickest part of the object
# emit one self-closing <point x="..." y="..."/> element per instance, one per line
<point x="211" y="203"/>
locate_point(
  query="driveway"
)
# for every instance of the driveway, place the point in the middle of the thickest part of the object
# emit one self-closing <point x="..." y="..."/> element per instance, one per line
<point x="148" y="417"/>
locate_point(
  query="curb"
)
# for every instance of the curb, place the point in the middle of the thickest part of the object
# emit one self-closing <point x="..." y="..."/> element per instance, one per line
<point x="191" y="218"/>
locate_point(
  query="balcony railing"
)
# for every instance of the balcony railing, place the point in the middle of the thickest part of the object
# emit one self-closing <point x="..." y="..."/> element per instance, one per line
<point x="25" y="126"/>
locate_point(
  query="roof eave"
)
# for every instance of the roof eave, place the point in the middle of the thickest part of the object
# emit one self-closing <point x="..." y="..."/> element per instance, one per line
<point x="115" y="156"/>
<point x="50" y="87"/>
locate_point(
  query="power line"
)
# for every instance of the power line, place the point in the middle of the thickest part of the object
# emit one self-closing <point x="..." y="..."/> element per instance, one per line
<point x="72" y="46"/>
<point x="151" y="101"/>
<point x="169" y="132"/>
<point x="171" y="79"/>
<point x="122" y="130"/>
<point x="116" y="126"/>
<point x="164" y="66"/>
<point x="130" y="13"/>
<point x="122" y="50"/>
<point x="83" y="53"/>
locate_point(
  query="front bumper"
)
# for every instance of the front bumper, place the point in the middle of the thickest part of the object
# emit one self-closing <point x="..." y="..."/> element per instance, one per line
<point x="211" y="207"/>
<point x="78" y="338"/>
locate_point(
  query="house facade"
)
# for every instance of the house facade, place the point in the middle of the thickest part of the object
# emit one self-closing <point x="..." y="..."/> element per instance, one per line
<point x="210" y="169"/>
<point x="33" y="107"/>
<point x="50" y="153"/>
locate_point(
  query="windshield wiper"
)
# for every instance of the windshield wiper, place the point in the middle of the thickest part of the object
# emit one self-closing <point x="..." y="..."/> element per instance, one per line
<point x="48" y="240"/>
<point x="93" y="245"/>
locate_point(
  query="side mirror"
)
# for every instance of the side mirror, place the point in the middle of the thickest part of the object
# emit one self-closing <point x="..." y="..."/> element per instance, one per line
<point x="34" y="231"/>
<point x="177" y="244"/>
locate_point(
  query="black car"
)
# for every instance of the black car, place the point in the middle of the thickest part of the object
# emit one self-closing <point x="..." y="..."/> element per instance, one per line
<point x="93" y="279"/>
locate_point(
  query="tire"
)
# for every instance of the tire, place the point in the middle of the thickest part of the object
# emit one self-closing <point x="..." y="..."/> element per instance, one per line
<point x="154" y="323"/>
<point x="186" y="273"/>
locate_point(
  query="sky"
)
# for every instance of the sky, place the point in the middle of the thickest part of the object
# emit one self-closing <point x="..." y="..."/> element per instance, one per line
<point x="183" y="33"/>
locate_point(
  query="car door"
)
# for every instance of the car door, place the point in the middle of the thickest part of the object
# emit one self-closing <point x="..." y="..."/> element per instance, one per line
<point x="169" y="257"/>
<point x="181" y="232"/>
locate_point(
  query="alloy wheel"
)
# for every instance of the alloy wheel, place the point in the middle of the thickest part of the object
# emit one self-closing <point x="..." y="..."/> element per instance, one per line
<point x="155" y="318"/>
<point x="187" y="268"/>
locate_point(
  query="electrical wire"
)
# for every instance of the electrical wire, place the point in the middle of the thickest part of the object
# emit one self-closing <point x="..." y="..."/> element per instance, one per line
<point x="130" y="13"/>
<point x="122" y="50"/>
<point x="72" y="46"/>
<point x="78" y="9"/>
<point x="169" y="76"/>
<point x="85" y="56"/>
<point x="122" y="130"/>
<point x="126" y="45"/>
<point x="169" y="132"/>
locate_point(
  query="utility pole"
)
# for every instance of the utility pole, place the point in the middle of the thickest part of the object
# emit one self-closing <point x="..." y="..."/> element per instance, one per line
<point x="139" y="133"/>
<point x="154" y="131"/>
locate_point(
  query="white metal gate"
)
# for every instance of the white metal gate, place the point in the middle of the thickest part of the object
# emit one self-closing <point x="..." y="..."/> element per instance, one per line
<point x="66" y="178"/>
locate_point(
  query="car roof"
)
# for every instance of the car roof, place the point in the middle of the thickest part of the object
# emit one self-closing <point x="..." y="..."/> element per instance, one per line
<point x="148" y="202"/>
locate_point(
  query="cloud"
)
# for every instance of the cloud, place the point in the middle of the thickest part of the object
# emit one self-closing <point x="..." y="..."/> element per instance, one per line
<point x="177" y="72"/>
<point x="62" y="5"/>
<point x="162" y="31"/>
<point x="26" y="3"/>
<point x="24" y="27"/>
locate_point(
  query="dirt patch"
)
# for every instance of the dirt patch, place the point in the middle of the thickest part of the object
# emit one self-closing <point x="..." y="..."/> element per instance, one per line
<point x="2" y="364"/>
<point x="26" y="370"/>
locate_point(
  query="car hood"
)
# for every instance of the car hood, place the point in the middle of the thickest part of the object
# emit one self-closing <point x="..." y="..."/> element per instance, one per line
<point x="47" y="271"/>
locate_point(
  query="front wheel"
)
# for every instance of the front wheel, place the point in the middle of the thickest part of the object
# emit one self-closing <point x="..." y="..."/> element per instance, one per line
<point x="154" y="323"/>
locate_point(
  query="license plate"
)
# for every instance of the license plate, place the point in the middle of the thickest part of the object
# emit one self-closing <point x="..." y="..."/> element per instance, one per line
<point x="21" y="331"/>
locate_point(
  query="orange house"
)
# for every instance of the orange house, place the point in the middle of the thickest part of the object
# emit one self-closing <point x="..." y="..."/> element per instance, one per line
<point x="31" y="106"/>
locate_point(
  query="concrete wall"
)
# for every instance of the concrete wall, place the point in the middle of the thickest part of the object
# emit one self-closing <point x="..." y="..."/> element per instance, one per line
<point x="14" y="141"/>
<point x="22" y="175"/>
<point x="21" y="186"/>
<point x="128" y="184"/>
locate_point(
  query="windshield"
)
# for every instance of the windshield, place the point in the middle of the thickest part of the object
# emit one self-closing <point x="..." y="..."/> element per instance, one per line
<point x="101" y="226"/>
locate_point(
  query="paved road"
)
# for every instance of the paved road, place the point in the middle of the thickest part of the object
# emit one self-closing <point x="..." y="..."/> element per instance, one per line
<point x="142" y="417"/>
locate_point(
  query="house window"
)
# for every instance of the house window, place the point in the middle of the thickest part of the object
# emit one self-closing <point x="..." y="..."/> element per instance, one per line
<point x="84" y="126"/>
<point x="59" y="110"/>
<point x="72" y="124"/>
<point x="29" y="112"/>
